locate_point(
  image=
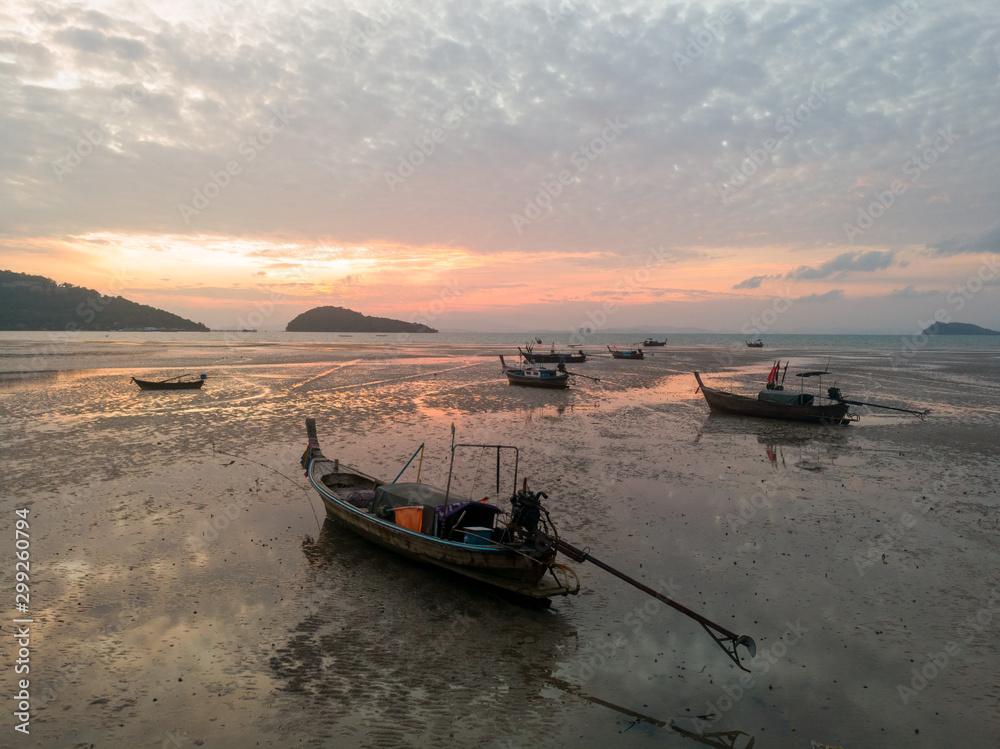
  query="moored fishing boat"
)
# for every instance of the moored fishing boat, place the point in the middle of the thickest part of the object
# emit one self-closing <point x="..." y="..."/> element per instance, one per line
<point x="755" y="344"/>
<point x="174" y="383"/>
<point x="776" y="404"/>
<point x="423" y="522"/>
<point x="514" y="551"/>
<point x="617" y="353"/>
<point x="654" y="342"/>
<point x="553" y="356"/>
<point x="530" y="374"/>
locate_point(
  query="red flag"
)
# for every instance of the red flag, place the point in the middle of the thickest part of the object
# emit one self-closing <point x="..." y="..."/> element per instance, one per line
<point x="773" y="377"/>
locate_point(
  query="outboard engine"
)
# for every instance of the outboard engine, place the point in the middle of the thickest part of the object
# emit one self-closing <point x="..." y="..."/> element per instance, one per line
<point x="835" y="394"/>
<point x="526" y="510"/>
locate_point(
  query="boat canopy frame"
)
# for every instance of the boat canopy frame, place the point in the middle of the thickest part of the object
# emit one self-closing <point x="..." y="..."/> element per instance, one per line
<point x="498" y="448"/>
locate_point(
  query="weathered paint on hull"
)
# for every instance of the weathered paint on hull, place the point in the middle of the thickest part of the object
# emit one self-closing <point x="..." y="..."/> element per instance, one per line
<point x="741" y="405"/>
<point x="552" y="383"/>
<point x="518" y="570"/>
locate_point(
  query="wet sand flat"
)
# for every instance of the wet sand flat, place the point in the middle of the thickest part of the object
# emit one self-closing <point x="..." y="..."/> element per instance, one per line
<point x="185" y="589"/>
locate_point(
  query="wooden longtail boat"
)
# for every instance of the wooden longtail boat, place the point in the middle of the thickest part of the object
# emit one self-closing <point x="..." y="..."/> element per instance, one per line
<point x="431" y="525"/>
<point x="513" y="551"/>
<point x="654" y="342"/>
<point x="172" y="384"/>
<point x="531" y="375"/>
<point x="553" y="357"/>
<point x="777" y="404"/>
<point x="617" y="353"/>
<point x="755" y="344"/>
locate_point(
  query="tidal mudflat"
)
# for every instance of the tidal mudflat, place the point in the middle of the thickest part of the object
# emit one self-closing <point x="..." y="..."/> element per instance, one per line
<point x="185" y="590"/>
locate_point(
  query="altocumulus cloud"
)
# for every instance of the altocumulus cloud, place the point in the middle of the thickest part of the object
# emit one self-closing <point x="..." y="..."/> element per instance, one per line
<point x="988" y="241"/>
<point x="846" y="263"/>
<point x="753" y="282"/>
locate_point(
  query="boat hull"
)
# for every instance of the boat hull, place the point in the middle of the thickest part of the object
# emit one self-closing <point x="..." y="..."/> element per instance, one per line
<point x="550" y="358"/>
<point x="146" y="385"/>
<point x="834" y="414"/>
<point x="516" y="568"/>
<point x="557" y="382"/>
<point x="636" y="354"/>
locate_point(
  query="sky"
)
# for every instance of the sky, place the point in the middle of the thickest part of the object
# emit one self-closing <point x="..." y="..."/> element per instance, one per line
<point x="765" y="167"/>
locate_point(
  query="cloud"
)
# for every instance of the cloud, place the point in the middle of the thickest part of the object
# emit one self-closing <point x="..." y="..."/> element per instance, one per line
<point x="841" y="265"/>
<point x="911" y="293"/>
<point x="830" y="296"/>
<point x="987" y="241"/>
<point x="754" y="282"/>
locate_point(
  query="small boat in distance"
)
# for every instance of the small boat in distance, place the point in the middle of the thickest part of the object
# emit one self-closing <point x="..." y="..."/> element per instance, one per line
<point x="626" y="353"/>
<point x="552" y="357"/>
<point x="530" y="374"/>
<point x="654" y="342"/>
<point x="174" y="383"/>
<point x="755" y="344"/>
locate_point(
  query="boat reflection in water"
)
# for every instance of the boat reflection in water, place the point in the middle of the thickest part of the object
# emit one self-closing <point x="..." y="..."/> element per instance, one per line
<point x="721" y="739"/>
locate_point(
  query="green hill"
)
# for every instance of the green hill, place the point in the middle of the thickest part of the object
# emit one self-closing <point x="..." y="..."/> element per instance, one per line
<point x="958" y="328"/>
<point x="39" y="303"/>
<point x="342" y="320"/>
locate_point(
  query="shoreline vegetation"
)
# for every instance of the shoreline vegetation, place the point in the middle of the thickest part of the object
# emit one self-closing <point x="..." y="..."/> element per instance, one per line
<point x="343" y="320"/>
<point x="38" y="303"/>
<point x="958" y="328"/>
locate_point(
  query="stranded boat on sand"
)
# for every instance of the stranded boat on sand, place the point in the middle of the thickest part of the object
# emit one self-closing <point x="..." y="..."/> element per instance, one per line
<point x="432" y="525"/>
<point x="514" y="550"/>
<point x="775" y="402"/>
<point x="174" y="383"/>
<point x="531" y="375"/>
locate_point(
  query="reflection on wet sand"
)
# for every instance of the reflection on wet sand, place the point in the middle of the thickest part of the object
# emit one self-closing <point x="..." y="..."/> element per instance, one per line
<point x="340" y="644"/>
<point x="383" y="648"/>
<point x="718" y="739"/>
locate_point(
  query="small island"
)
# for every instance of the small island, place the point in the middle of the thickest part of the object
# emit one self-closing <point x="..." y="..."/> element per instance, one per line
<point x="37" y="303"/>
<point x="958" y="328"/>
<point x="342" y="320"/>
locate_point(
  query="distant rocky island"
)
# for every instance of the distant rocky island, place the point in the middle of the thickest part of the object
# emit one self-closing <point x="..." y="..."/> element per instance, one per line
<point x="343" y="320"/>
<point x="38" y="303"/>
<point x="958" y="328"/>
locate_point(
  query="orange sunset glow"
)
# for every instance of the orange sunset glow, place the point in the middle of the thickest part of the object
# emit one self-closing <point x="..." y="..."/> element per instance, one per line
<point x="352" y="169"/>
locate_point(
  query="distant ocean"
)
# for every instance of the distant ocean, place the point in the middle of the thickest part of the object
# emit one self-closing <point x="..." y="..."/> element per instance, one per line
<point x="824" y="342"/>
